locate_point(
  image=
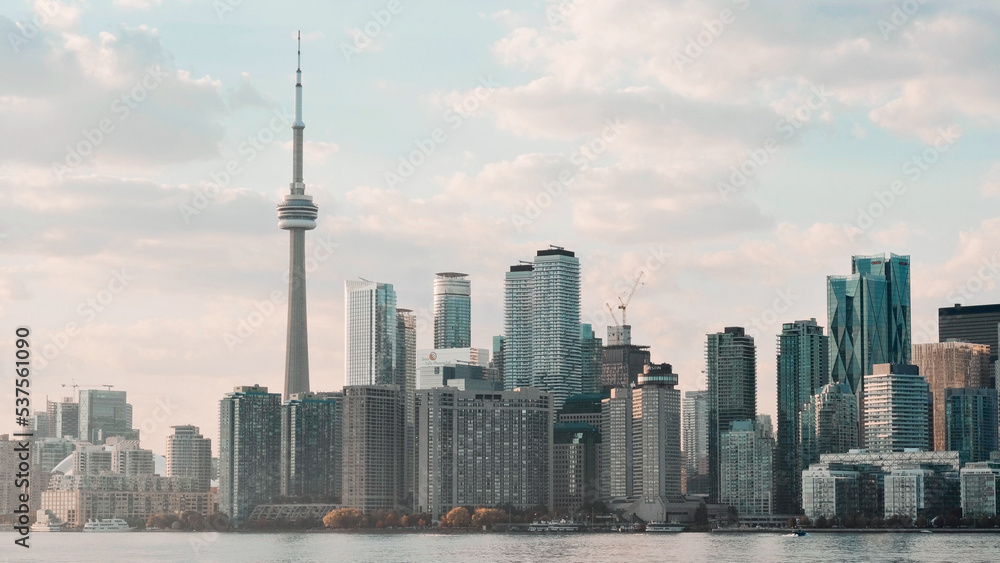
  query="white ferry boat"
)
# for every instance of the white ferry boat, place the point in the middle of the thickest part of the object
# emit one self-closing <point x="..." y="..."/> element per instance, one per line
<point x="107" y="525"/>
<point x="560" y="526"/>
<point x="664" y="527"/>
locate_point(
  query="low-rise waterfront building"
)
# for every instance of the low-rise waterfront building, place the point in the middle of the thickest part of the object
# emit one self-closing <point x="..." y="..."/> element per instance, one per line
<point x="981" y="488"/>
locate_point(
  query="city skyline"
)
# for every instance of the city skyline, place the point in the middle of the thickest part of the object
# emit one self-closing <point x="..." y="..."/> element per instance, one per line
<point x="121" y="246"/>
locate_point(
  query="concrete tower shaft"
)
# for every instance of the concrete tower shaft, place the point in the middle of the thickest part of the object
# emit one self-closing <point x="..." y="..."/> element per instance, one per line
<point x="297" y="214"/>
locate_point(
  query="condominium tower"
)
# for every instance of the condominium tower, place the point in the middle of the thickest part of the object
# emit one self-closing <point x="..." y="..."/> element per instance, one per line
<point x="452" y="311"/>
<point x="369" y="333"/>
<point x="249" y="450"/>
<point x="955" y="365"/>
<point x="373" y="451"/>
<point x="189" y="454"/>
<point x="731" y="366"/>
<point x="896" y="409"/>
<point x="311" y="446"/>
<point x="478" y="448"/>
<point x="803" y="368"/>
<point x="542" y="324"/>
<point x="695" y="430"/>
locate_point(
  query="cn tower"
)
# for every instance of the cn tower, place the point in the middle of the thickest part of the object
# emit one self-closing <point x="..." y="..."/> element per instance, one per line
<point x="297" y="214"/>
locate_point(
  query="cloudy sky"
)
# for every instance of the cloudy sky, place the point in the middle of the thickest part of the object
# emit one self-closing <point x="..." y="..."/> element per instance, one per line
<point x="737" y="151"/>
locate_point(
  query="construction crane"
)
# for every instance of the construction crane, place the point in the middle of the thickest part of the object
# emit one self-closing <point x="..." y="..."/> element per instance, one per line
<point x="76" y="385"/>
<point x="624" y="304"/>
<point x="608" y="305"/>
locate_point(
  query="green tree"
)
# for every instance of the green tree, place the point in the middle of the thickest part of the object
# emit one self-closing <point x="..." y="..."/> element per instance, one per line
<point x="732" y="514"/>
<point x="701" y="514"/>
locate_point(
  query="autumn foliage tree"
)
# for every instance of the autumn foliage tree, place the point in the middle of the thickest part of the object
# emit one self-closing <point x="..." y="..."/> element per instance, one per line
<point x="420" y="519"/>
<point x="345" y="518"/>
<point x="458" y="517"/>
<point x="488" y="516"/>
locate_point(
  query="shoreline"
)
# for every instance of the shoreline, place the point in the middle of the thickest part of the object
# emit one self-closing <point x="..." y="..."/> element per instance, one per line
<point x="859" y="530"/>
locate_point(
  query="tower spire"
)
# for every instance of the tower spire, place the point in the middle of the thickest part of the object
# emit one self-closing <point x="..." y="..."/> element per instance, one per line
<point x="298" y="187"/>
<point x="297" y="214"/>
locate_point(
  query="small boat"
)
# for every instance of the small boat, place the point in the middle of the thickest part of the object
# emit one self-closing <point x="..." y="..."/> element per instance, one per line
<point x="45" y="523"/>
<point x="107" y="525"/>
<point x="664" y="527"/>
<point x="46" y="527"/>
<point x="800" y="533"/>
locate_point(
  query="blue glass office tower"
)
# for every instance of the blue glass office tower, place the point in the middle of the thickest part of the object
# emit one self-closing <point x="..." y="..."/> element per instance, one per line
<point x="869" y="317"/>
<point x="803" y="370"/>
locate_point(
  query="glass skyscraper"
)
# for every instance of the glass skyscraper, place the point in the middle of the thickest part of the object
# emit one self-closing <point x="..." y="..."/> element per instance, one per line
<point x="311" y="445"/>
<point x="695" y="427"/>
<point x="370" y="333"/>
<point x="452" y="311"/>
<point x="803" y="368"/>
<point x="104" y="414"/>
<point x="591" y="353"/>
<point x="249" y="450"/>
<point x="542" y="325"/>
<point x="731" y="365"/>
<point x="971" y="423"/>
<point x="517" y="315"/>
<point x="869" y="317"/>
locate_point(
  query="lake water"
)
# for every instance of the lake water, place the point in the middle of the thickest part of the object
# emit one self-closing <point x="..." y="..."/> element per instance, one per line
<point x="385" y="548"/>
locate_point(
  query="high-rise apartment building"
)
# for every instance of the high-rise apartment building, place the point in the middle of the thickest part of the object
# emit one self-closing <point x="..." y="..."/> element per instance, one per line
<point x="542" y="324"/>
<point x="9" y="494"/>
<point x="103" y="414"/>
<point x="452" y="311"/>
<point x="249" y="450"/>
<point x="496" y="362"/>
<point x="297" y="214"/>
<point x="803" y="368"/>
<point x="64" y="418"/>
<point x="483" y="449"/>
<point x="369" y="333"/>
<point x="39" y="425"/>
<point x="656" y="439"/>
<point x="829" y="423"/>
<point x="746" y="465"/>
<point x="970" y="423"/>
<point x="896" y="409"/>
<point x="189" y="454"/>
<point x="49" y="452"/>
<point x="731" y="366"/>
<point x="970" y="323"/>
<point x="127" y="458"/>
<point x="374" y="428"/>
<point x="695" y="430"/>
<point x="311" y="445"/>
<point x="556" y="361"/>
<point x="623" y="361"/>
<point x="517" y="321"/>
<point x="89" y="459"/>
<point x="592" y="359"/>
<point x="406" y="378"/>
<point x="617" y="472"/>
<point x="869" y="317"/>
<point x="951" y="365"/>
<point x="575" y="468"/>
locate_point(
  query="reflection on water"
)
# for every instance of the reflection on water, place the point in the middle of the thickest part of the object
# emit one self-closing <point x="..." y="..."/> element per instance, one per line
<point x="508" y="548"/>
